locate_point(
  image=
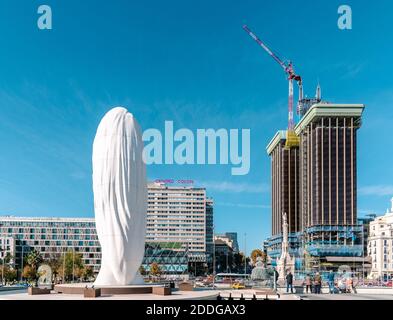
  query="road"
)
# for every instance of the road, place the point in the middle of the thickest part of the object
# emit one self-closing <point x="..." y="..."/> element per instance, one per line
<point x="346" y="296"/>
<point x="7" y="292"/>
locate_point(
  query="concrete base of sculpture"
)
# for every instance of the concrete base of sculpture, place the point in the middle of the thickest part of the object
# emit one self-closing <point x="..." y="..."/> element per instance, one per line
<point x="79" y="288"/>
<point x="92" y="293"/>
<point x="162" y="291"/>
<point x="186" y="286"/>
<point x="34" y="291"/>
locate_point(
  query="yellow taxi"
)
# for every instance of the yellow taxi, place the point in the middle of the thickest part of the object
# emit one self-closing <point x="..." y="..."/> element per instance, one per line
<point x="238" y="285"/>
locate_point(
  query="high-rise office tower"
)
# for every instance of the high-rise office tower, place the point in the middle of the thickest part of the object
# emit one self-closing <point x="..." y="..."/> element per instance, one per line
<point x="328" y="177"/>
<point x="284" y="179"/>
<point x="315" y="183"/>
<point x="328" y="169"/>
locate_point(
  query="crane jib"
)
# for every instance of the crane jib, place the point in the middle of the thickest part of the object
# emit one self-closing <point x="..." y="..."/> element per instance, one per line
<point x="289" y="70"/>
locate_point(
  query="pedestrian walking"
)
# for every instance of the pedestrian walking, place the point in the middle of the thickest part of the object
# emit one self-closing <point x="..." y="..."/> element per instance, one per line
<point x="308" y="283"/>
<point x="275" y="275"/>
<point x="341" y="286"/>
<point x="331" y="282"/>
<point x="317" y="283"/>
<point x="289" y="279"/>
<point x="349" y="284"/>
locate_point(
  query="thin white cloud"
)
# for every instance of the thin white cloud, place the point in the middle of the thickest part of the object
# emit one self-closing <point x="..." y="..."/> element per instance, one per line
<point x="377" y="190"/>
<point x="243" y="205"/>
<point x="78" y="175"/>
<point x="230" y="187"/>
<point x="366" y="211"/>
<point x="352" y="70"/>
<point x="348" y="70"/>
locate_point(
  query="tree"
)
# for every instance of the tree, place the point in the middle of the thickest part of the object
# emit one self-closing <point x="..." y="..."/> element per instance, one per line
<point x="88" y="273"/>
<point x="33" y="259"/>
<point x="8" y="258"/>
<point x="142" y="270"/>
<point x="30" y="272"/>
<point x="257" y="253"/>
<point x="155" y="269"/>
<point x="71" y="266"/>
<point x="239" y="262"/>
<point x="5" y="265"/>
<point x="225" y="261"/>
<point x="10" y="274"/>
<point x="54" y="263"/>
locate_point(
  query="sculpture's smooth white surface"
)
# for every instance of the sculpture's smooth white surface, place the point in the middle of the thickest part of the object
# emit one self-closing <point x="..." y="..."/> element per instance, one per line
<point x="120" y="197"/>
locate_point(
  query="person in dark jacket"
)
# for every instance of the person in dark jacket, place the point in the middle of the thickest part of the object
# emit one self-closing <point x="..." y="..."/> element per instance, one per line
<point x="275" y="277"/>
<point x="317" y="283"/>
<point x="331" y="282"/>
<point x="289" y="279"/>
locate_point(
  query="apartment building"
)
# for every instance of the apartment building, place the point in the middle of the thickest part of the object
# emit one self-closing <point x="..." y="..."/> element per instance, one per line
<point x="380" y="246"/>
<point x="179" y="232"/>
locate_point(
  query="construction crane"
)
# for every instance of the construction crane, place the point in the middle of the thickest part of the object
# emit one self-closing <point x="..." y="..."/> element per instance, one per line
<point x="292" y="76"/>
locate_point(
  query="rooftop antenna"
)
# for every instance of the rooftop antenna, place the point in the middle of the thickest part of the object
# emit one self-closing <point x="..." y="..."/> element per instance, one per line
<point x="318" y="94"/>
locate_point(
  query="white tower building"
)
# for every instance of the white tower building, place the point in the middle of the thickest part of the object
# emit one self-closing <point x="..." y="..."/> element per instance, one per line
<point x="380" y="246"/>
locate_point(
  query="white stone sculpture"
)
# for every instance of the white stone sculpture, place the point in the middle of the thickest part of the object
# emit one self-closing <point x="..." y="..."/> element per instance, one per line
<point x="285" y="262"/>
<point x="120" y="198"/>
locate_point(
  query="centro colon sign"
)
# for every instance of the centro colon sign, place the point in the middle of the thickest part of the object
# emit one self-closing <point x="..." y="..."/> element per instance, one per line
<point x="173" y="181"/>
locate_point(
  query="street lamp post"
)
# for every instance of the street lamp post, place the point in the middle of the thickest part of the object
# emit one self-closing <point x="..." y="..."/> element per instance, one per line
<point x="214" y="260"/>
<point x="227" y="258"/>
<point x="21" y="265"/>
<point x="275" y="281"/>
<point x="64" y="257"/>
<point x="245" y="254"/>
<point x="363" y="253"/>
<point x="73" y="264"/>
<point x="2" y="268"/>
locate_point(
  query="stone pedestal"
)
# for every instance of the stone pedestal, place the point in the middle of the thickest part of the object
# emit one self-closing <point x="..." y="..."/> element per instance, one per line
<point x="32" y="291"/>
<point x="186" y="286"/>
<point x="162" y="291"/>
<point x="79" y="288"/>
<point x="92" y="293"/>
<point x="285" y="264"/>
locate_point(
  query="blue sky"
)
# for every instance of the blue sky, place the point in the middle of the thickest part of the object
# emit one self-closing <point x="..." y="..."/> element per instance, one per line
<point x="189" y="62"/>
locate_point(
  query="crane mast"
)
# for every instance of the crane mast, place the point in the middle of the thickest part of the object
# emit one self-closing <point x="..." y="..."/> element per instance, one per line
<point x="289" y="70"/>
